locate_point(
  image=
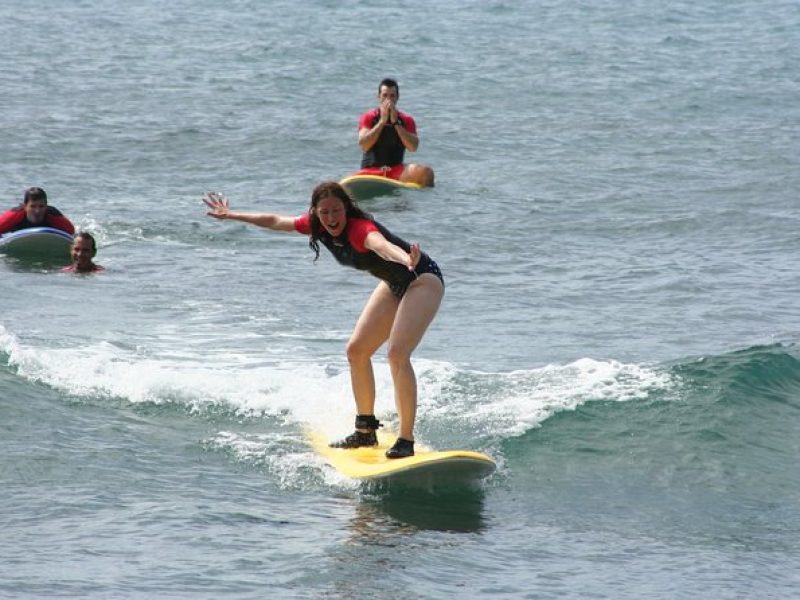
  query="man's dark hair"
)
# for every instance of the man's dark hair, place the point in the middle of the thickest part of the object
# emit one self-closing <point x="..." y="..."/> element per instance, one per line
<point x="389" y="82"/>
<point x="35" y="193"/>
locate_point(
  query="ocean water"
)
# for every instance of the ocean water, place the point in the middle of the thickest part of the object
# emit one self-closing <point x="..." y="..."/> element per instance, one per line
<point x="616" y="216"/>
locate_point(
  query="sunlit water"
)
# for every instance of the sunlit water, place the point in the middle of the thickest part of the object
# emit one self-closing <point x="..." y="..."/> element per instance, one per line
<point x="616" y="217"/>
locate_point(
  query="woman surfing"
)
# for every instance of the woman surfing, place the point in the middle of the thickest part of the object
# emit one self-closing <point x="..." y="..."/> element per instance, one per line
<point x="398" y="311"/>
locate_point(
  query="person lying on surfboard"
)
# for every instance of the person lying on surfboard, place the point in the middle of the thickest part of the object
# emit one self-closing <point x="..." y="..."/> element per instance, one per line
<point x="399" y="310"/>
<point x="83" y="250"/>
<point x="34" y="212"/>
<point x="384" y="134"/>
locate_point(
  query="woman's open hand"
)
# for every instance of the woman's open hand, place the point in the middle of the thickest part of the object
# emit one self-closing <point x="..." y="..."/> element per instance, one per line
<point x="218" y="205"/>
<point x="414" y="256"/>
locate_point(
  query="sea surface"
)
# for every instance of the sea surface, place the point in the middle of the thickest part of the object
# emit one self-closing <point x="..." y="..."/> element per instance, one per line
<point x="617" y="217"/>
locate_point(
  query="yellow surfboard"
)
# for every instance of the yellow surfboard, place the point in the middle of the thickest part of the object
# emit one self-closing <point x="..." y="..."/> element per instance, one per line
<point x="427" y="467"/>
<point x="363" y="187"/>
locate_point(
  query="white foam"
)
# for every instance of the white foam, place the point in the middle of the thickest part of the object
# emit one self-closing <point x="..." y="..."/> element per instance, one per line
<point x="509" y="404"/>
<point x="318" y="396"/>
<point x="311" y="394"/>
<point x="286" y="457"/>
<point x="92" y="225"/>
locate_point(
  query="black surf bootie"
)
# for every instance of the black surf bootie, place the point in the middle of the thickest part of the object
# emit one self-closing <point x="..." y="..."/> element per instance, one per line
<point x="402" y="448"/>
<point x="359" y="439"/>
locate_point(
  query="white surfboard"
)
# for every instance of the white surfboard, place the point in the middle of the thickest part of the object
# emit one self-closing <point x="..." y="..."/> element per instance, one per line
<point x="43" y="243"/>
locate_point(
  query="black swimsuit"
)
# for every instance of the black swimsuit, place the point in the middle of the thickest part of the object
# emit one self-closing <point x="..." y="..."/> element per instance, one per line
<point x="396" y="276"/>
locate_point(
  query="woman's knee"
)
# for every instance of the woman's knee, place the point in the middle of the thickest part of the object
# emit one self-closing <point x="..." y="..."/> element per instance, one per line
<point x="357" y="351"/>
<point x="397" y="356"/>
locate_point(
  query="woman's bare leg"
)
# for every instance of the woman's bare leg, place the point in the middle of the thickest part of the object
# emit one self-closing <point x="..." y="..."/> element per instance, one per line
<point x="411" y="321"/>
<point x="371" y="331"/>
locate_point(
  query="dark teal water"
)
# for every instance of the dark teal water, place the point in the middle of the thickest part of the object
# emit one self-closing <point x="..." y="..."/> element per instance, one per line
<point x="616" y="217"/>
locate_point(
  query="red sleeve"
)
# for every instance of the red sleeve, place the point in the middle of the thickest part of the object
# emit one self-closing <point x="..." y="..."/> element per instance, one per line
<point x="368" y="119"/>
<point x="10" y="219"/>
<point x="408" y="122"/>
<point x="357" y="230"/>
<point x="302" y="224"/>
<point x="59" y="222"/>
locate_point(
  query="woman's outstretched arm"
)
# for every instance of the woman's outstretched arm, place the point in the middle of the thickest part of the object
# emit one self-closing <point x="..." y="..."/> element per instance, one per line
<point x="219" y="209"/>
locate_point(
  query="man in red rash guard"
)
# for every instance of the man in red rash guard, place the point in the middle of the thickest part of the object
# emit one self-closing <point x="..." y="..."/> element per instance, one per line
<point x="384" y="135"/>
<point x="34" y="212"/>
